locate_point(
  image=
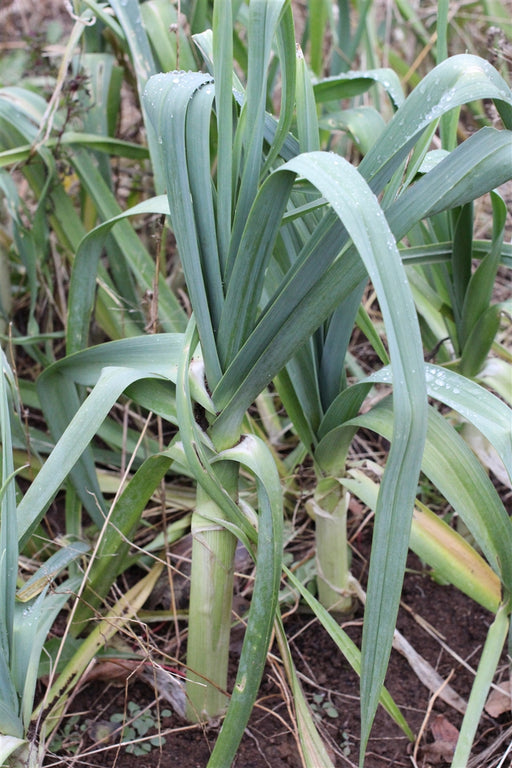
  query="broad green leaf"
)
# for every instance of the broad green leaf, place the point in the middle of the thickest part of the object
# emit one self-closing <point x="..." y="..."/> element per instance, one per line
<point x="60" y="401"/>
<point x="362" y="35"/>
<point x="171" y="48"/>
<point x="110" y="369"/>
<point x="431" y="307"/>
<point x="364" y="124"/>
<point x="490" y="415"/>
<point x="23" y="109"/>
<point x="364" y="323"/>
<point x="458" y="80"/>
<point x="475" y="167"/>
<point x="354" y="83"/>
<point x="107" y="144"/>
<point x="48" y="571"/>
<point x="307" y="120"/>
<point x="264" y="18"/>
<point x="253" y="454"/>
<point x="197" y="147"/>
<point x="286" y="51"/>
<point x="83" y="280"/>
<point x="278" y="333"/>
<point x="120" y="523"/>
<point x="479" y="341"/>
<point x="247" y="277"/>
<point x="280" y="321"/>
<point x="317" y="20"/>
<point x="430" y="160"/>
<point x="32" y="623"/>
<point x="321" y="287"/>
<point x="462" y="222"/>
<point x="10" y="720"/>
<point x="128" y="14"/>
<point x="159" y="397"/>
<point x="75" y="440"/>
<point x="335" y="344"/>
<point x="337" y="280"/>
<point x="8" y="524"/>
<point x="334" y="443"/>
<point x="292" y="391"/>
<point x="168" y="99"/>
<point x="198" y="14"/>
<point x="158" y="354"/>
<point x="479" y="291"/>
<point x="456" y="472"/>
<point x="449" y="555"/>
<point x="101" y="100"/>
<point x="432" y="253"/>
<point x="223" y="76"/>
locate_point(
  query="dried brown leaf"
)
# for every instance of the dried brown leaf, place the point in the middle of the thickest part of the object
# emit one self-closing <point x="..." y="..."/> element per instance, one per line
<point x="445" y="740"/>
<point x="500" y="700"/>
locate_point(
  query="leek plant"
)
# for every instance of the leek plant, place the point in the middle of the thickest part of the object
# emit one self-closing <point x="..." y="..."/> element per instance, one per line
<point x="306" y="387"/>
<point x="316" y="376"/>
<point x="225" y="252"/>
<point x="221" y="272"/>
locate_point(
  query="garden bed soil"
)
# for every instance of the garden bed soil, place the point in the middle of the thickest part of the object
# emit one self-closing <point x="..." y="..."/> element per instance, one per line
<point x="444" y="627"/>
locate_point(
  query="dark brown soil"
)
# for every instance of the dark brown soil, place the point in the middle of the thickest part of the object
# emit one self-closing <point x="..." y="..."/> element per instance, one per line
<point x="330" y="686"/>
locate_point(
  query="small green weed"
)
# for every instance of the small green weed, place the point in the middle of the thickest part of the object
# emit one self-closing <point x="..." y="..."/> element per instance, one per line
<point x="67" y="739"/>
<point x="140" y="722"/>
<point x="133" y="725"/>
<point x="345" y="744"/>
<point x="322" y="706"/>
